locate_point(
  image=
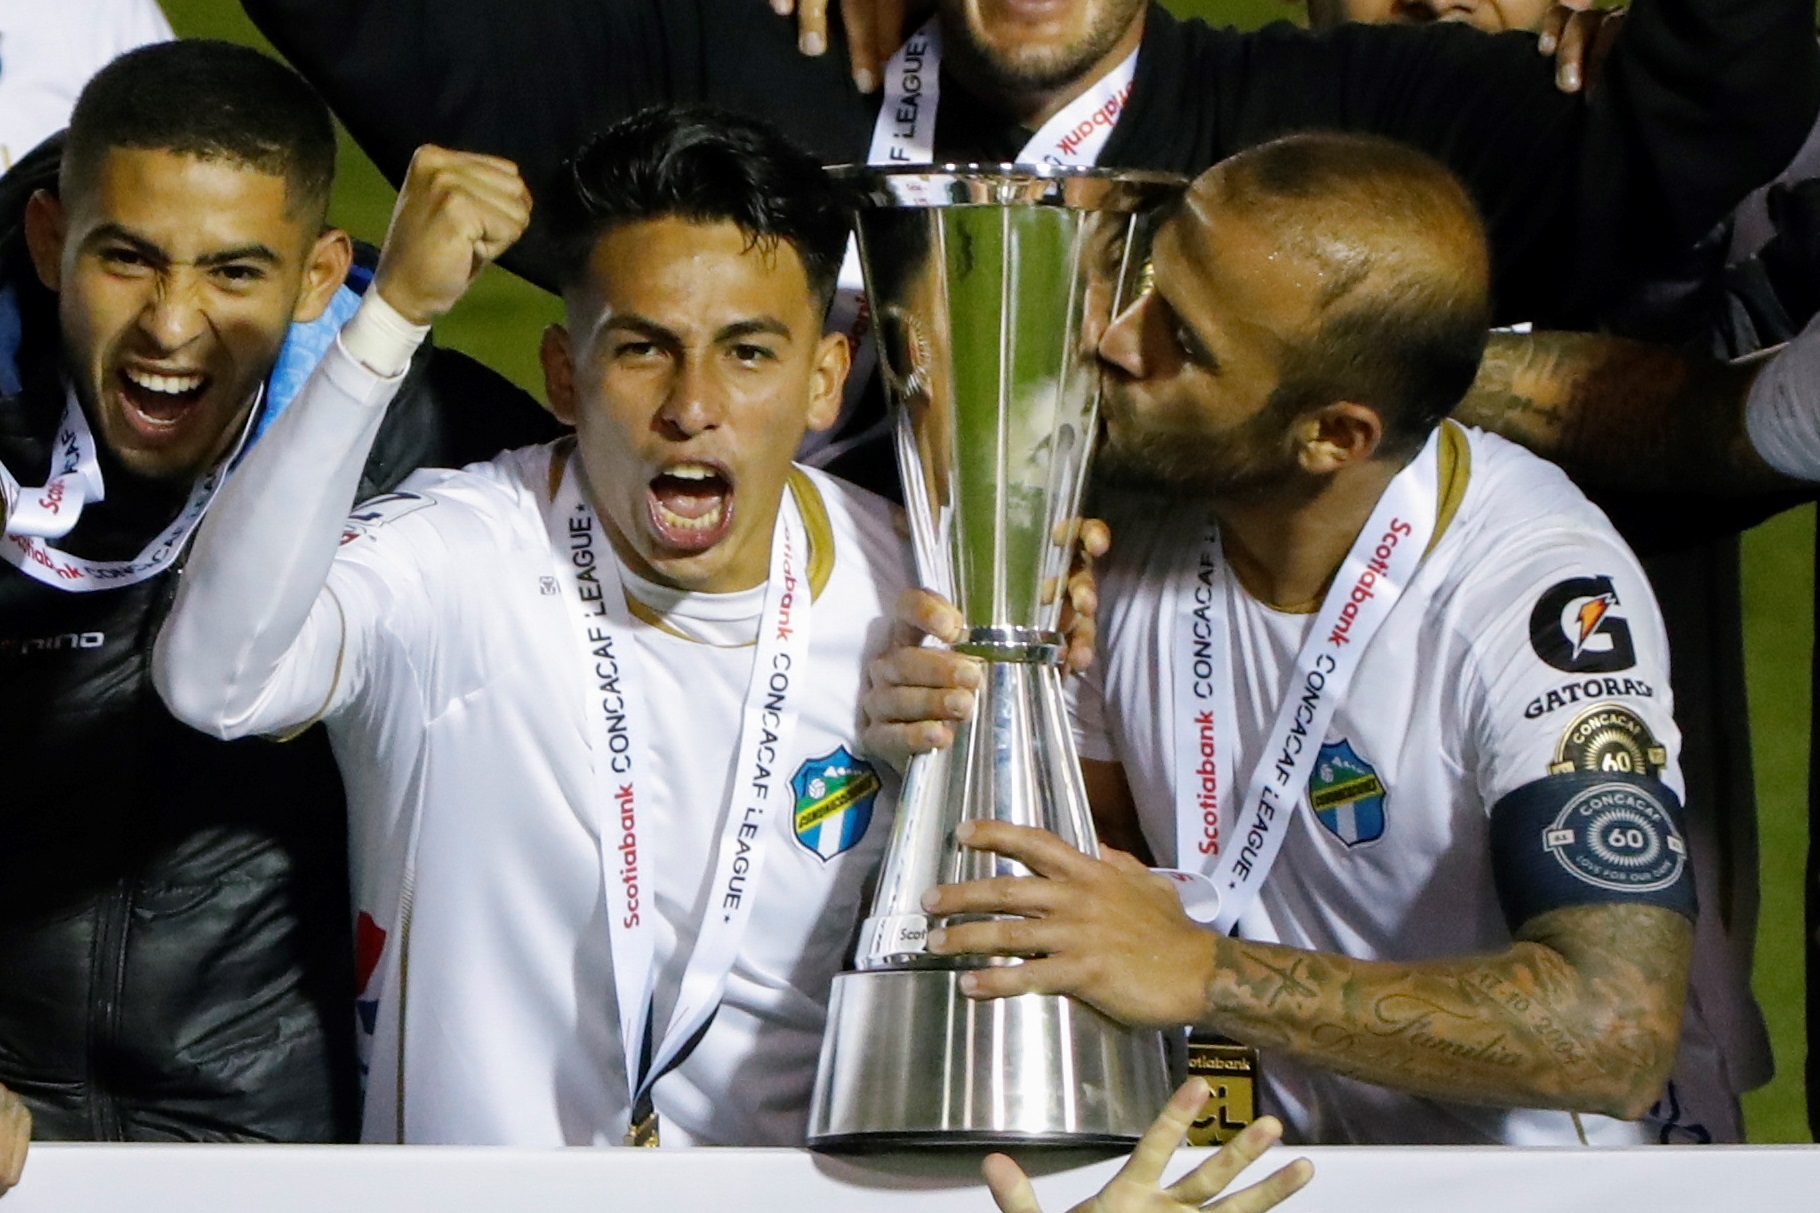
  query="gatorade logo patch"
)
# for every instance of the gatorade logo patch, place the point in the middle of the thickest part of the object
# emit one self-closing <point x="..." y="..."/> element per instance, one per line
<point x="1576" y="627"/>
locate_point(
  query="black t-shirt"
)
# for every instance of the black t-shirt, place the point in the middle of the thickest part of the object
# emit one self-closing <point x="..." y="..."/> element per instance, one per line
<point x="1580" y="197"/>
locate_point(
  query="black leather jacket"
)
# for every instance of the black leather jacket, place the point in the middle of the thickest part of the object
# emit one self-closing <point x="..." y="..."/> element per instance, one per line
<point x="175" y="955"/>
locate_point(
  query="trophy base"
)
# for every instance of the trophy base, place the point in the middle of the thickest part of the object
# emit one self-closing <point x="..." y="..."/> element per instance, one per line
<point x="909" y="1061"/>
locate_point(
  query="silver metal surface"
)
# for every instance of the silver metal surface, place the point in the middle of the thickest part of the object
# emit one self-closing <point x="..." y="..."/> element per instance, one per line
<point x="990" y="289"/>
<point x="1031" y="1070"/>
<point x="1014" y="644"/>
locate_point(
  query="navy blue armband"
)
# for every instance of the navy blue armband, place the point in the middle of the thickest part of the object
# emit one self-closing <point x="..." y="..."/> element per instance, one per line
<point x="1589" y="839"/>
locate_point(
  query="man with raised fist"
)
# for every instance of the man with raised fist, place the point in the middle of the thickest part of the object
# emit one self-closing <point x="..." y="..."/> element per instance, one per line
<point x="595" y="700"/>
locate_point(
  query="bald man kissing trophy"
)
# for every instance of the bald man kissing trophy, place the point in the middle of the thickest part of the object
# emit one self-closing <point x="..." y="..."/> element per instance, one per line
<point x="991" y="288"/>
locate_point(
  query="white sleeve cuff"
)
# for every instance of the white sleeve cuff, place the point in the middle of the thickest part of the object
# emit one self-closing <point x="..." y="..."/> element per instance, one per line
<point x="380" y="339"/>
<point x="1782" y="413"/>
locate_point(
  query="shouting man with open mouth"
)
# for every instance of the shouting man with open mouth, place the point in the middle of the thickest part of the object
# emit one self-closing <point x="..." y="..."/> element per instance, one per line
<point x="595" y="701"/>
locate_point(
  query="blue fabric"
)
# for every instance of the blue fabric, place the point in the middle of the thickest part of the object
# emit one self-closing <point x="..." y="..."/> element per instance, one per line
<point x="303" y="348"/>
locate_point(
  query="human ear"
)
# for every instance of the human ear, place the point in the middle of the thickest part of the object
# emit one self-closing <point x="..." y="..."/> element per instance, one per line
<point x="558" y="373"/>
<point x="828" y="381"/>
<point x="1338" y="435"/>
<point x="325" y="268"/>
<point x="46" y="229"/>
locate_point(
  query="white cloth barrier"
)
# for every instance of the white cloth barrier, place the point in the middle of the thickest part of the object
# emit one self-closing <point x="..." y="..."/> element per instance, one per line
<point x="450" y="1179"/>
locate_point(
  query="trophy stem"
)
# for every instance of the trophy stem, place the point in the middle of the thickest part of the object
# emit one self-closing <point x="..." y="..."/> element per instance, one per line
<point x="1014" y="760"/>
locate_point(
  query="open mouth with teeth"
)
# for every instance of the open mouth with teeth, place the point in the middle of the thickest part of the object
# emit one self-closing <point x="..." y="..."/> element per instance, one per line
<point x="156" y="402"/>
<point x="691" y="506"/>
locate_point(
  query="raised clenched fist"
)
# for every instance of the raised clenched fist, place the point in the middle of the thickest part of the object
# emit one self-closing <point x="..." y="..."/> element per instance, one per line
<point x="457" y="212"/>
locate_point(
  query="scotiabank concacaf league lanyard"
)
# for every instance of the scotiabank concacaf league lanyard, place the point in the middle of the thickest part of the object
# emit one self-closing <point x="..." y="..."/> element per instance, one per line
<point x="36" y="516"/>
<point x="904" y="133"/>
<point x="625" y="788"/>
<point x="1229" y="835"/>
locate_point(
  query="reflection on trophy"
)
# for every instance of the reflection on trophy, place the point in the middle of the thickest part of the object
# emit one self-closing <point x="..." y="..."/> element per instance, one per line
<point x="990" y="289"/>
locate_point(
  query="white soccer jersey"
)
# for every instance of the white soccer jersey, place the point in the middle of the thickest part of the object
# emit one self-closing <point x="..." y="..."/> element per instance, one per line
<point x="458" y="719"/>
<point x="1528" y="643"/>
<point x="459" y="727"/>
<point x="49" y="51"/>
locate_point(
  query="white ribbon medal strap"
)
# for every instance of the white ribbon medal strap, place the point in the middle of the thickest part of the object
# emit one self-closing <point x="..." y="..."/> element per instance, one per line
<point x="75" y="479"/>
<point x="1226" y="843"/>
<point x="904" y="133"/>
<point x="624" y="786"/>
<point x="1203" y="711"/>
<point x="34" y="516"/>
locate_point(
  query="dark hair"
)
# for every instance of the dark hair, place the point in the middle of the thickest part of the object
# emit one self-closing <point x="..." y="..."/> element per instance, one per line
<point x="211" y="100"/>
<point x="1402" y="321"/>
<point x="704" y="165"/>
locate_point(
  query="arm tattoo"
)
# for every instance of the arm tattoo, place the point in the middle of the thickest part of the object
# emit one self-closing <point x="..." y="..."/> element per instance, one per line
<point x="1583" y="1012"/>
<point x="1620" y="414"/>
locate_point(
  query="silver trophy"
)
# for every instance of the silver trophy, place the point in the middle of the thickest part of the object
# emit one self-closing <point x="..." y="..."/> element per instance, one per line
<point x="989" y="291"/>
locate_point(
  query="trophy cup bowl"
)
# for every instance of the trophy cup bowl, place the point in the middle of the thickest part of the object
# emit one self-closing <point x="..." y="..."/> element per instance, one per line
<point x="989" y="289"/>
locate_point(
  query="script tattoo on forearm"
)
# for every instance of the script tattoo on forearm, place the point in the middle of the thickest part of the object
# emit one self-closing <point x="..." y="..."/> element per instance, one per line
<point x="1582" y="1013"/>
<point x="1620" y="414"/>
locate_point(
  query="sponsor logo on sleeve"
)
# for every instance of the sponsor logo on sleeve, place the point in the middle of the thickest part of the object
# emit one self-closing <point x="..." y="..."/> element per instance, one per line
<point x="834" y="797"/>
<point x="1346" y="794"/>
<point x="383" y="509"/>
<point x="1576" y="627"/>
<point x="1608" y="739"/>
<point x="1569" y="693"/>
<point x="1617" y="836"/>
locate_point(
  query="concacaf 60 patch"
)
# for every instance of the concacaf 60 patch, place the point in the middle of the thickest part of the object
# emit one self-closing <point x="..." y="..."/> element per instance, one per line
<point x="834" y="795"/>
<point x="1611" y="740"/>
<point x="1617" y="836"/>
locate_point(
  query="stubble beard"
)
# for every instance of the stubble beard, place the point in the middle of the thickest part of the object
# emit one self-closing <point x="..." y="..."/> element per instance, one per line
<point x="1036" y="69"/>
<point x="1253" y="459"/>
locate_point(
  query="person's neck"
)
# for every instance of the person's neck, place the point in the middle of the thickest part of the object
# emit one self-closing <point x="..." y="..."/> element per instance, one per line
<point x="1030" y="108"/>
<point x="1285" y="545"/>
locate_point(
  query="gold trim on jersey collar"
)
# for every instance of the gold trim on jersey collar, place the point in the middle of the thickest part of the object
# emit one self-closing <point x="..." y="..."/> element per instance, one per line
<point x="1456" y="470"/>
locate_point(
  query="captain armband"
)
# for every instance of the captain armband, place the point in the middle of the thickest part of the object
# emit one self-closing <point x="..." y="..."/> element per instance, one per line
<point x="1590" y="838"/>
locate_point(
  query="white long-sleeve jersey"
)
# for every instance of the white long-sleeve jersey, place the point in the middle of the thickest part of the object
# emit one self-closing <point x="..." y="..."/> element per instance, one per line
<point x="426" y="632"/>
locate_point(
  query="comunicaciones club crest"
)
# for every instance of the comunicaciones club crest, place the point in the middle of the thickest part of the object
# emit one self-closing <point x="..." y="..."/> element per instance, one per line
<point x="834" y="797"/>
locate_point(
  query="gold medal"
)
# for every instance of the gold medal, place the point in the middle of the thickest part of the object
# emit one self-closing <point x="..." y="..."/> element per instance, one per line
<point x="643" y="1133"/>
<point x="1231" y="1070"/>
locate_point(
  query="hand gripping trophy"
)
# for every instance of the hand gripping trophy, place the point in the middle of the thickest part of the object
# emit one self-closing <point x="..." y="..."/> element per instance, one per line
<point x="989" y="289"/>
